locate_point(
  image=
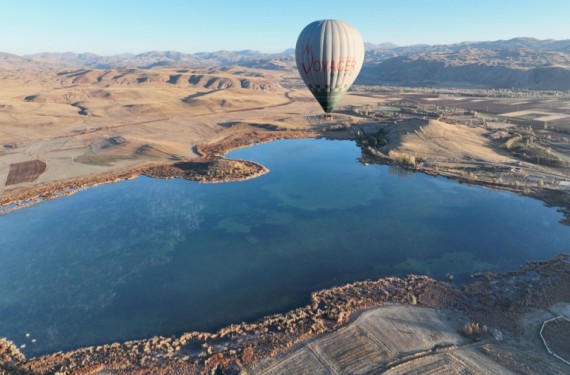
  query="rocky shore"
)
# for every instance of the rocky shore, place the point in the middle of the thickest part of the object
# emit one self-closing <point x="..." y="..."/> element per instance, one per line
<point x="211" y="170"/>
<point x="494" y="300"/>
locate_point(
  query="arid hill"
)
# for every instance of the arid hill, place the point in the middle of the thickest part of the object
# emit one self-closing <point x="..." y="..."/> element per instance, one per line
<point x="520" y="63"/>
<point x="519" y="69"/>
<point x="64" y="122"/>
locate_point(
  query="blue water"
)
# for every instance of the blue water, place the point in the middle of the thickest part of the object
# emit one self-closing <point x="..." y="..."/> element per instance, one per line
<point x="148" y="256"/>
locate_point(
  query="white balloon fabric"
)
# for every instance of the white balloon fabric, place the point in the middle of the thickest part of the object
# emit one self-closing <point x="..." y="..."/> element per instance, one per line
<point x="329" y="55"/>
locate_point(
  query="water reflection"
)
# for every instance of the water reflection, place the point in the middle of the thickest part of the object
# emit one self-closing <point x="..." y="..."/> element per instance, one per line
<point x="395" y="170"/>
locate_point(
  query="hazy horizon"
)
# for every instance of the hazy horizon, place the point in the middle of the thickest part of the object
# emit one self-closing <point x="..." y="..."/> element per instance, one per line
<point x="110" y="28"/>
<point x="266" y="52"/>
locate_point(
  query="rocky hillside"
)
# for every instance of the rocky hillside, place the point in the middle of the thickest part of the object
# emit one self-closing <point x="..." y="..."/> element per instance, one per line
<point x="522" y="63"/>
<point x="150" y="60"/>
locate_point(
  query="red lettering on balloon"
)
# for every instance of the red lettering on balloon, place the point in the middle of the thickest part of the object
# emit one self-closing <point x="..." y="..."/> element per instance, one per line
<point x="340" y="66"/>
<point x="316" y="65"/>
<point x="352" y="65"/>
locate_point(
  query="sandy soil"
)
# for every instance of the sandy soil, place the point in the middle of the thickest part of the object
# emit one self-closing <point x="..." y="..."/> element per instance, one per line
<point x="88" y="122"/>
<point x="443" y="143"/>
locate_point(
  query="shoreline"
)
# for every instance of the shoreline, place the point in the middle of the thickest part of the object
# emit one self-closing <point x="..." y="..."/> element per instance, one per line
<point x="554" y="198"/>
<point x="238" y="346"/>
<point x="497" y="300"/>
<point x="211" y="166"/>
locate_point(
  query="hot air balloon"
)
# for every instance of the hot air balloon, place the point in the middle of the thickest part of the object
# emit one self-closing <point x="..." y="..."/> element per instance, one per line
<point x="329" y="55"/>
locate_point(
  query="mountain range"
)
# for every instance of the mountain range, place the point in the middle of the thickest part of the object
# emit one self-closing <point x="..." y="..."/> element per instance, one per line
<point x="521" y="63"/>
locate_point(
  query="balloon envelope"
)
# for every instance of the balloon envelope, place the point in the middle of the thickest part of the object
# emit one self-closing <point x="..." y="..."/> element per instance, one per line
<point x="329" y="55"/>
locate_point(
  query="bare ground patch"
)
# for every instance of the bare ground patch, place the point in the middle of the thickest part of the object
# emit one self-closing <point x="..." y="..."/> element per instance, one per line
<point x="26" y="171"/>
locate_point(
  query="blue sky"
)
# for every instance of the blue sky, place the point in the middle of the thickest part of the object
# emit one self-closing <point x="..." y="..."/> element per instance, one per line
<point x="115" y="26"/>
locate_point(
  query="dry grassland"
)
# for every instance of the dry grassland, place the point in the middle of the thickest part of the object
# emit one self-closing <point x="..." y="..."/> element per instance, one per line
<point x="92" y="121"/>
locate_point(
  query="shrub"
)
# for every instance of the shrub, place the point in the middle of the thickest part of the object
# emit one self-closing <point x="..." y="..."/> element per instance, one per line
<point x="402" y="158"/>
<point x="475" y="329"/>
<point x="510" y="143"/>
<point x="373" y="140"/>
<point x="9" y="353"/>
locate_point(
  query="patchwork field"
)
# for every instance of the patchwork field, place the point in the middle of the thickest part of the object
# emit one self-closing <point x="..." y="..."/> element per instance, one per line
<point x="406" y="340"/>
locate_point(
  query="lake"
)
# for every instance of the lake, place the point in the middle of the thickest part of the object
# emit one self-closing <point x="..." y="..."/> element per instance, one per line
<point x="160" y="257"/>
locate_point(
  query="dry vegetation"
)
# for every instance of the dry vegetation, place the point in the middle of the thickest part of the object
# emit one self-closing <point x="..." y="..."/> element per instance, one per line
<point x="399" y="337"/>
<point x="441" y="142"/>
<point x="475" y="329"/>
